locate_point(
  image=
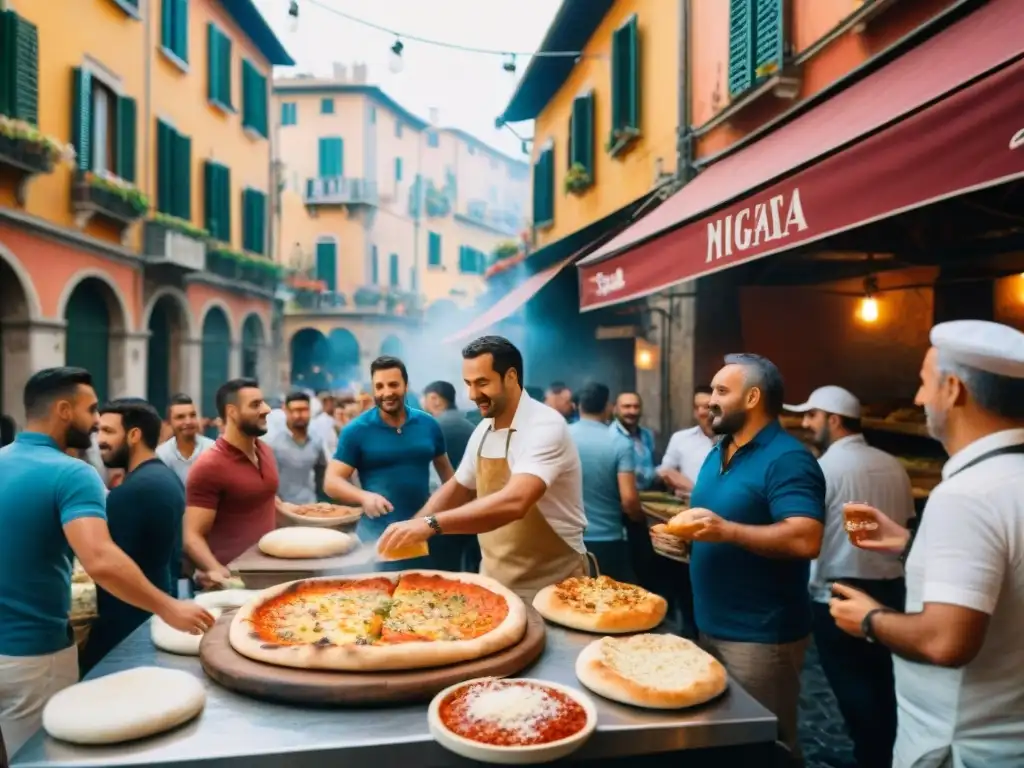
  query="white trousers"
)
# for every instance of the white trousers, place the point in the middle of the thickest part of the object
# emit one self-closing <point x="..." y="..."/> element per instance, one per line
<point x="26" y="684"/>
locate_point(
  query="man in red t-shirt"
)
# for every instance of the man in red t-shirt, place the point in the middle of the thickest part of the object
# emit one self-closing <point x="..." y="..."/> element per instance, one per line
<point x="232" y="488"/>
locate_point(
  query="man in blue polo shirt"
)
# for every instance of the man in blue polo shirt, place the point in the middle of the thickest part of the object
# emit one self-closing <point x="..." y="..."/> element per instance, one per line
<point x="52" y="506"/>
<point x="758" y="508"/>
<point x="391" y="447"/>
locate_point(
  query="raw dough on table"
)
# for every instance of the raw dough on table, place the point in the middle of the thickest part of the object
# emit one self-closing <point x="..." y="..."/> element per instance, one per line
<point x="124" y="706"/>
<point x="167" y="638"/>
<point x="225" y="599"/>
<point x="299" y="543"/>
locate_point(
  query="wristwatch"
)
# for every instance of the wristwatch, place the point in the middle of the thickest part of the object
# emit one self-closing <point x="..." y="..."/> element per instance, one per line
<point x="866" y="627"/>
<point x="434" y="525"/>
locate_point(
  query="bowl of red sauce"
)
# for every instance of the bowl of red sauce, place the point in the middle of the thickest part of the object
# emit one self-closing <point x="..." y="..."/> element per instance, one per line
<point x="515" y="721"/>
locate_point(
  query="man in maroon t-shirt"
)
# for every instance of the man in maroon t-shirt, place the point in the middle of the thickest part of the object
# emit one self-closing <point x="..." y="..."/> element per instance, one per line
<point x="232" y="488"/>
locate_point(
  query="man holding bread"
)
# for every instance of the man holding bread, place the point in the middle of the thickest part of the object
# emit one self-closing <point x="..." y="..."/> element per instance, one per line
<point x="758" y="505"/>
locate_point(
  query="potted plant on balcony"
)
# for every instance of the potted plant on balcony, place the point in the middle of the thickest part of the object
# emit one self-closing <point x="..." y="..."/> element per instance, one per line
<point x="28" y="148"/>
<point x="438" y="204"/>
<point x="223" y="260"/>
<point x="162" y="222"/>
<point x="110" y="196"/>
<point x="306" y="291"/>
<point x="368" y="296"/>
<point x="577" y="179"/>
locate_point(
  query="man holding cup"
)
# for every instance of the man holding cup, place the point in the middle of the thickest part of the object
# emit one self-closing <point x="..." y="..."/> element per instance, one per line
<point x="859" y="672"/>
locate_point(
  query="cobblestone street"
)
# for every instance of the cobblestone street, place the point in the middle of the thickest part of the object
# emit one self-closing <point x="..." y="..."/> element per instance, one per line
<point x="822" y="733"/>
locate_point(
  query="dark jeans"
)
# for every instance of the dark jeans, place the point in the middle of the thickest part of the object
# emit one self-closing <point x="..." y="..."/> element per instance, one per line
<point x="612" y="559"/>
<point x="861" y="676"/>
<point x="642" y="556"/>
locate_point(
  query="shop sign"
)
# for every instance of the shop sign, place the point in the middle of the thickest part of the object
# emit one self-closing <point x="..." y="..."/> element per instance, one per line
<point x="607" y="284"/>
<point x="750" y="227"/>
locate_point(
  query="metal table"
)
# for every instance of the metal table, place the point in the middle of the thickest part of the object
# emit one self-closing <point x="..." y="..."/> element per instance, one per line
<point x="260" y="571"/>
<point x="238" y="732"/>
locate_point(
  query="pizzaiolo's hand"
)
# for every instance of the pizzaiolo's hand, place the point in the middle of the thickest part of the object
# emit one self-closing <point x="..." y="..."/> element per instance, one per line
<point x="375" y="505"/>
<point x="408" y="533"/>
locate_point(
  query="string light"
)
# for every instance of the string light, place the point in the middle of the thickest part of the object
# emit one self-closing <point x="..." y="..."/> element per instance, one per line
<point x="869" y="304"/>
<point x="395" y="61"/>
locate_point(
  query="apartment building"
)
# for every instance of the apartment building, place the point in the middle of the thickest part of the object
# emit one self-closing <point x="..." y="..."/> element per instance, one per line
<point x="134" y="177"/>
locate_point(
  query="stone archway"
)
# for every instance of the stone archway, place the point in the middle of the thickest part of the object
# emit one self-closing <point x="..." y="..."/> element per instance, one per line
<point x="215" y="356"/>
<point x="344" y="360"/>
<point x="15" y="347"/>
<point x="310" y="353"/>
<point x="168" y="327"/>
<point x="95" y="335"/>
<point x="392" y="346"/>
<point x="253" y="342"/>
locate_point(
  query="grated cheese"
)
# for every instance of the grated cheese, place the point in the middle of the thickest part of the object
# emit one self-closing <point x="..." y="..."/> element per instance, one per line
<point x="517" y="708"/>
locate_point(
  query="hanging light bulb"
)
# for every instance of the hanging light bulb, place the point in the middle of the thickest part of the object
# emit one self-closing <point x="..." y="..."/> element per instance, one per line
<point x="395" y="62"/>
<point x="510" y="64"/>
<point x="869" y="304"/>
<point x="293" y="14"/>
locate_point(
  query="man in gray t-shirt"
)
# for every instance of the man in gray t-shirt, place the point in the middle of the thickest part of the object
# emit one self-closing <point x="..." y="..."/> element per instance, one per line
<point x="298" y="453"/>
<point x="181" y="451"/>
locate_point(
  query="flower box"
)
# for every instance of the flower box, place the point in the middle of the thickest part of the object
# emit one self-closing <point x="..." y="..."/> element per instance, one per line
<point x="111" y="198"/>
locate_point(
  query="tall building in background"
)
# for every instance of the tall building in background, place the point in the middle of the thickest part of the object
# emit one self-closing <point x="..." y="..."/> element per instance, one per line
<point x="389" y="220"/>
<point x="135" y="164"/>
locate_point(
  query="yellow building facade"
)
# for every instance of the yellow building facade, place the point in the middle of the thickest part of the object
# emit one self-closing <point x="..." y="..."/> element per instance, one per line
<point x="385" y="215"/>
<point x="134" y="186"/>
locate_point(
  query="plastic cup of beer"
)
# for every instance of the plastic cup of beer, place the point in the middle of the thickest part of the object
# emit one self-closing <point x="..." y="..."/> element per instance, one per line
<point x="857" y="521"/>
<point x="405" y="553"/>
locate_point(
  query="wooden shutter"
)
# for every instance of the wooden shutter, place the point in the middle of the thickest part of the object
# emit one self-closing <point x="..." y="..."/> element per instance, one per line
<point x="769" y="37"/>
<point x="217" y="181"/>
<point x="182" y="175"/>
<point x="167" y="25"/>
<point x="213" y="53"/>
<point x="327" y="264"/>
<point x="81" y="117"/>
<point x="126" y="137"/>
<point x="583" y="132"/>
<point x="225" y="68"/>
<point x="393" y="277"/>
<point x="741" y="46"/>
<point x="165" y="168"/>
<point x="225" y="203"/>
<point x="19" y="68"/>
<point x="374" y="265"/>
<point x="179" y="41"/>
<point x="625" y="78"/>
<point x="209" y="208"/>
<point x="434" y="249"/>
<point x="254" y="99"/>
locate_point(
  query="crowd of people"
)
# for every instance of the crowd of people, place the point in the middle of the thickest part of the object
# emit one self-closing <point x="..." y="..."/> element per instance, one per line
<point x="544" y="485"/>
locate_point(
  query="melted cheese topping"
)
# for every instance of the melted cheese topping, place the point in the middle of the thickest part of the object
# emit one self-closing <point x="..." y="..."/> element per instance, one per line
<point x="599" y="595"/>
<point x="325" y="618"/>
<point x="661" y="662"/>
<point x="517" y="708"/>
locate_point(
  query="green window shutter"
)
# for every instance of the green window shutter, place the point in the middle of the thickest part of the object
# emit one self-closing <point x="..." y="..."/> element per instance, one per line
<point x="769" y="37"/>
<point x="213" y="54"/>
<point x="254" y="207"/>
<point x="434" y="250"/>
<point x="262" y="105"/>
<point x="217" y="183"/>
<point x="398" y="169"/>
<point x="179" y="40"/>
<point x="209" y="211"/>
<point x="327" y="264"/>
<point x="331" y="157"/>
<point x="632" y="34"/>
<point x="126" y="138"/>
<point x="19" y="68"/>
<point x="248" y="96"/>
<point x="544" y="188"/>
<point x="261" y="223"/>
<point x="167" y="24"/>
<point x="81" y="117"/>
<point x="741" y="46"/>
<point x="225" y="68"/>
<point x="247" y="220"/>
<point x="393" y="280"/>
<point x="625" y="78"/>
<point x="182" y="175"/>
<point x="374" y="266"/>
<point x="165" y="181"/>
<point x="582" y="132"/>
<point x="225" y="203"/>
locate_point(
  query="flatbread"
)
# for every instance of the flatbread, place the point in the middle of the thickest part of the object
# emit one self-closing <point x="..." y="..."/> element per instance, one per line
<point x="167" y="638"/>
<point x="652" y="671"/>
<point x="379" y="621"/>
<point x="300" y="543"/>
<point x="225" y="599"/>
<point x="600" y="604"/>
<point x="124" y="706"/>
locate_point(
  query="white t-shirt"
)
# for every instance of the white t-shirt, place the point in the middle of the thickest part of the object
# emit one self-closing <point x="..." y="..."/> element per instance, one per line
<point x="855" y="471"/>
<point x="686" y="452"/>
<point x="969" y="551"/>
<point x="540" y="446"/>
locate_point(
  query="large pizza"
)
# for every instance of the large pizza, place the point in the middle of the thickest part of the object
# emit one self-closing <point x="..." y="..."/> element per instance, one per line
<point x="600" y="604"/>
<point x="382" y="621"/>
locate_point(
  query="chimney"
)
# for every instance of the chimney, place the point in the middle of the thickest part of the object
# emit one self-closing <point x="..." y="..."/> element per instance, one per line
<point x="359" y="73"/>
<point x="340" y="73"/>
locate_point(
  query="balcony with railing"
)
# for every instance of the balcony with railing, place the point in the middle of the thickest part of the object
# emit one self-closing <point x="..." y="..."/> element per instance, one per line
<point x="479" y="213"/>
<point x="339" y="190"/>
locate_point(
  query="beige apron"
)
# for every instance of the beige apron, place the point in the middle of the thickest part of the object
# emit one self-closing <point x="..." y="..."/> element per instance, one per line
<point x="525" y="555"/>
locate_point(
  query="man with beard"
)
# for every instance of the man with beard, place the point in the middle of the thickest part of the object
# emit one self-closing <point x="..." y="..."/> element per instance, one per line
<point x="391" y="447"/>
<point x="859" y="672"/>
<point x="299" y="454"/>
<point x="758" y="508"/>
<point x="231" y="494"/>
<point x="688" y="448"/>
<point x="187" y="445"/>
<point x="52" y="507"/>
<point x="144" y="514"/>
<point x="957" y="649"/>
<point x="520" y="486"/>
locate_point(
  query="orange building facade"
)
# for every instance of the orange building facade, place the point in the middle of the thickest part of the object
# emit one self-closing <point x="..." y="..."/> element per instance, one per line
<point x="135" y="168"/>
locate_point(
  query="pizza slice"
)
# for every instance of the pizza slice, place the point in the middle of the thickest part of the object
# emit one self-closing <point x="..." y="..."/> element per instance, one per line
<point x="600" y="604"/>
<point x="429" y="607"/>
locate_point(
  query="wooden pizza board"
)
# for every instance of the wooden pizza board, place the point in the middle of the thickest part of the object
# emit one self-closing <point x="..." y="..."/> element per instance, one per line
<point x="318" y="688"/>
<point x="260" y="571"/>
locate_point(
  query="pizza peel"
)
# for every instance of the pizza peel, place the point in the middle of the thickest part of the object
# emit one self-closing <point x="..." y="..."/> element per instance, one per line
<point x="338" y="689"/>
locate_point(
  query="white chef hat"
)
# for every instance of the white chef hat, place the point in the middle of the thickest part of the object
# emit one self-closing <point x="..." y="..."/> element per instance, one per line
<point x="986" y="346"/>
<point x="830" y="399"/>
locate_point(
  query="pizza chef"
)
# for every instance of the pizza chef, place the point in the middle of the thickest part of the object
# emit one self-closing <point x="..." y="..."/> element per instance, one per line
<point x="519" y="486"/>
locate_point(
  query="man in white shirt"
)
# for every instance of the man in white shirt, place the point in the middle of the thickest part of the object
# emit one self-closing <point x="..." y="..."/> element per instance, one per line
<point x="688" y="448"/>
<point x="859" y="672"/>
<point x="959" y="653"/>
<point x="182" y="450"/>
<point x="519" y="486"/>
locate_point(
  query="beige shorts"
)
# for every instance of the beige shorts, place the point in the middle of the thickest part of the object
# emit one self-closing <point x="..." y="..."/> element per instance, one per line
<point x="26" y="684"/>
